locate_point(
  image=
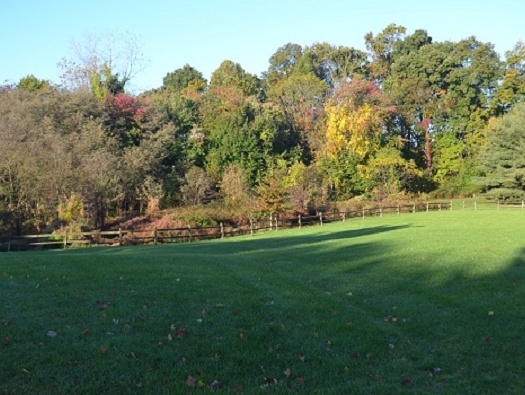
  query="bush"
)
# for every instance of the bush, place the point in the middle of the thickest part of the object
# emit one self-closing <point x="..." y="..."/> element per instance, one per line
<point x="506" y="194"/>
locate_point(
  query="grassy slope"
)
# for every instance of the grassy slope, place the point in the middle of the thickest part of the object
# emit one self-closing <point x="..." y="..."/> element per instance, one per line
<point x="366" y="306"/>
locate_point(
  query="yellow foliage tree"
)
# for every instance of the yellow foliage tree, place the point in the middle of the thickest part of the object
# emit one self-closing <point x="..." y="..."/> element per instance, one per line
<point x="356" y="119"/>
<point x="352" y="128"/>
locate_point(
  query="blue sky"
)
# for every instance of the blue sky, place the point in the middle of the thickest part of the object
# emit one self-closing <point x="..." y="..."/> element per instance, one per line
<point x="36" y="34"/>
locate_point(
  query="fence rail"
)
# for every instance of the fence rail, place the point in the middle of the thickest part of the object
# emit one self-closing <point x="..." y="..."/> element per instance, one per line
<point x="191" y="234"/>
<point x="503" y="204"/>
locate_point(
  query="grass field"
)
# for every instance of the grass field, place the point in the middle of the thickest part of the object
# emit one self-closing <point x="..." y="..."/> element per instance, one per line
<point x="416" y="303"/>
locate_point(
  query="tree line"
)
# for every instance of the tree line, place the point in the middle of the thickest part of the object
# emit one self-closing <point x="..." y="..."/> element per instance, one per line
<point x="323" y="124"/>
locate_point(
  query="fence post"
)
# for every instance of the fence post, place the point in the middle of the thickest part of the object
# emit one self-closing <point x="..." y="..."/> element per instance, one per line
<point x="463" y="204"/>
<point x="427" y="207"/>
<point x="120" y="236"/>
<point x="363" y="213"/>
<point x="344" y="216"/>
<point x="189" y="234"/>
<point x="251" y="227"/>
<point x="300" y="222"/>
<point x="451" y="205"/>
<point x="65" y="240"/>
<point x="414" y="208"/>
<point x="321" y="218"/>
<point x="439" y="207"/>
<point x="155" y="236"/>
<point x="381" y="212"/>
<point x="276" y="218"/>
<point x="498" y="204"/>
<point x="475" y="205"/>
<point x="222" y="230"/>
<point x="271" y="221"/>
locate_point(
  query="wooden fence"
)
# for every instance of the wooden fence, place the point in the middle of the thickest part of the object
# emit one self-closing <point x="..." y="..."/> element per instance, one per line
<point x="191" y="234"/>
<point x="499" y="205"/>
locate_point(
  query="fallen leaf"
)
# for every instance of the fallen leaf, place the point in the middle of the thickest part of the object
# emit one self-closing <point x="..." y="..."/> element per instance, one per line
<point x="300" y="357"/>
<point x="216" y="384"/>
<point x="201" y="384"/>
<point x="203" y="312"/>
<point x="72" y="363"/>
<point x="243" y="337"/>
<point x="181" y="333"/>
<point x="390" y="318"/>
<point x="51" y="334"/>
<point x="85" y="331"/>
<point x="407" y="382"/>
<point x="299" y="380"/>
<point x="25" y="371"/>
<point x="102" y="305"/>
<point x="491" y="312"/>
<point x="190" y="381"/>
<point x="169" y="337"/>
<point x="173" y="328"/>
<point x="287" y="372"/>
<point x="268" y="381"/>
<point x="103" y="349"/>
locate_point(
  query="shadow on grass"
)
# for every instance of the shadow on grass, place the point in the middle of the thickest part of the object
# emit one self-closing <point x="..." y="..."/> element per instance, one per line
<point x="375" y="302"/>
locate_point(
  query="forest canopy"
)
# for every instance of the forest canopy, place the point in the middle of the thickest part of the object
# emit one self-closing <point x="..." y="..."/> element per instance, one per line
<point x="324" y="124"/>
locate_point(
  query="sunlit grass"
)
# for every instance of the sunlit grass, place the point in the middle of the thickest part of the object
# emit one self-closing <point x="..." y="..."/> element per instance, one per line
<point x="416" y="303"/>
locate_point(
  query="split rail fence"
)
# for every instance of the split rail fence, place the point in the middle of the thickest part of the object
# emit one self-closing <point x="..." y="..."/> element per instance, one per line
<point x="191" y="234"/>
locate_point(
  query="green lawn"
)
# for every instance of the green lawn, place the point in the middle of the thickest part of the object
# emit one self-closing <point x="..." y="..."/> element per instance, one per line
<point x="416" y="303"/>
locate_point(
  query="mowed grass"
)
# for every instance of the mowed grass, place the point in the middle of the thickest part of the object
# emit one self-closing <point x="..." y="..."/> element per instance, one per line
<point x="416" y="303"/>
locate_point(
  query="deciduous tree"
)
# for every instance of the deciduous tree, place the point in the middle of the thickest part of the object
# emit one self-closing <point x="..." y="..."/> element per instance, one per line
<point x="232" y="75"/>
<point x="185" y="78"/>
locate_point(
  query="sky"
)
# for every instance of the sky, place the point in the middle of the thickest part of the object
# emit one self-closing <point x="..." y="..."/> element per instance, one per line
<point x="36" y="35"/>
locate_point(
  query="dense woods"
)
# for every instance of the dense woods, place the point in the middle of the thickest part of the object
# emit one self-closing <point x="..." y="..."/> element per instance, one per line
<point x="324" y="124"/>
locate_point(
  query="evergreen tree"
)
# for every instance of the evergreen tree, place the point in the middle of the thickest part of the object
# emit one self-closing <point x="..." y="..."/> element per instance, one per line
<point x="503" y="161"/>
